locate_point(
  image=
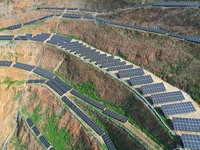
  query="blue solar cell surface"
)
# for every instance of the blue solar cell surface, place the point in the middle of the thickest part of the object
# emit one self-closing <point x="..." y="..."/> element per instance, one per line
<point x="23" y="66"/>
<point x="178" y="108"/>
<point x="191" y="141"/>
<point x="5" y="63"/>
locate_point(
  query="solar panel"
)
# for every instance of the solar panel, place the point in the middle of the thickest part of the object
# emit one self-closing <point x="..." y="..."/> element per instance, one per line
<point x="88" y="100"/>
<point x="14" y="27"/>
<point x="186" y="124"/>
<point x="35" y="130"/>
<point x="76" y="16"/>
<point x="43" y="73"/>
<point x="44" y="142"/>
<point x="191" y="141"/>
<point x="91" y="123"/>
<point x="140" y="80"/>
<point x="108" y="142"/>
<point x="60" y="85"/>
<point x="113" y="64"/>
<point x="36" y="81"/>
<point x="101" y="57"/>
<point x="153" y="88"/>
<point x="55" y="88"/>
<point x="108" y="61"/>
<point x="40" y="37"/>
<point x="6" y="37"/>
<point x="68" y="102"/>
<point x="56" y="40"/>
<point x="6" y="63"/>
<point x="64" y="84"/>
<point x="167" y="97"/>
<point x="21" y="38"/>
<point x="120" y="68"/>
<point x="23" y="66"/>
<point x="52" y="148"/>
<point x="130" y="73"/>
<point x="30" y="123"/>
<point x="179" y="108"/>
<point x="115" y="115"/>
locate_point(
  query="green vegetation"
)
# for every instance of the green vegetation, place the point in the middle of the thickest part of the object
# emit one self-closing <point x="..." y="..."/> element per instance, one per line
<point x="89" y="112"/>
<point x="17" y="96"/>
<point x="2" y="29"/>
<point x="195" y="92"/>
<point x="33" y="97"/>
<point x="89" y="89"/>
<point x="17" y="143"/>
<point x="9" y="82"/>
<point x="36" y="117"/>
<point x="59" y="138"/>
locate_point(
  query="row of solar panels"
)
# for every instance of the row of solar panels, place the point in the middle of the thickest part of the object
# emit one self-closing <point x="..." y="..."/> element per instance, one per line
<point x="191" y="38"/>
<point x="170" y="109"/>
<point x="108" y="61"/>
<point x="163" y="97"/>
<point x="46" y="144"/>
<point x="81" y="9"/>
<point x="91" y="123"/>
<point x="171" y="4"/>
<point x="136" y="75"/>
<point x="61" y="87"/>
<point x="64" y="42"/>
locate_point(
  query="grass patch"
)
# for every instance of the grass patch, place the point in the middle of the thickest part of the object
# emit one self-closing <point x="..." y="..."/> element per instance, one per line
<point x="10" y="82"/>
<point x="17" y="95"/>
<point x="2" y="29"/>
<point x="36" y="117"/>
<point x="59" y="138"/>
<point x="89" y="90"/>
<point x="17" y="143"/>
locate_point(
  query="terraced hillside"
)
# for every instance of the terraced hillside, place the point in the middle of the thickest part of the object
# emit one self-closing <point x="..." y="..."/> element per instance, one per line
<point x="85" y="76"/>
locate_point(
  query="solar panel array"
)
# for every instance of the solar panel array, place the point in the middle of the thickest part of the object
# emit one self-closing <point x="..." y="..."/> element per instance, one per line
<point x="88" y="100"/>
<point x="6" y="37"/>
<point x="83" y="116"/>
<point x="178" y="108"/>
<point x="43" y="73"/>
<point x="167" y="97"/>
<point x="153" y="88"/>
<point x="14" y="27"/>
<point x="55" y="39"/>
<point x="120" y="67"/>
<point x="140" y="80"/>
<point x="29" y="122"/>
<point x="186" y="124"/>
<point x="44" y="142"/>
<point x="6" y="63"/>
<point x="23" y="66"/>
<point x="191" y="38"/>
<point x="130" y="73"/>
<point x="108" y="142"/>
<point x="177" y="4"/>
<point x="26" y="37"/>
<point x="40" y="37"/>
<point x="191" y="141"/>
<point x="36" y="81"/>
<point x="36" y="131"/>
<point x="115" y="115"/>
<point x="55" y="88"/>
